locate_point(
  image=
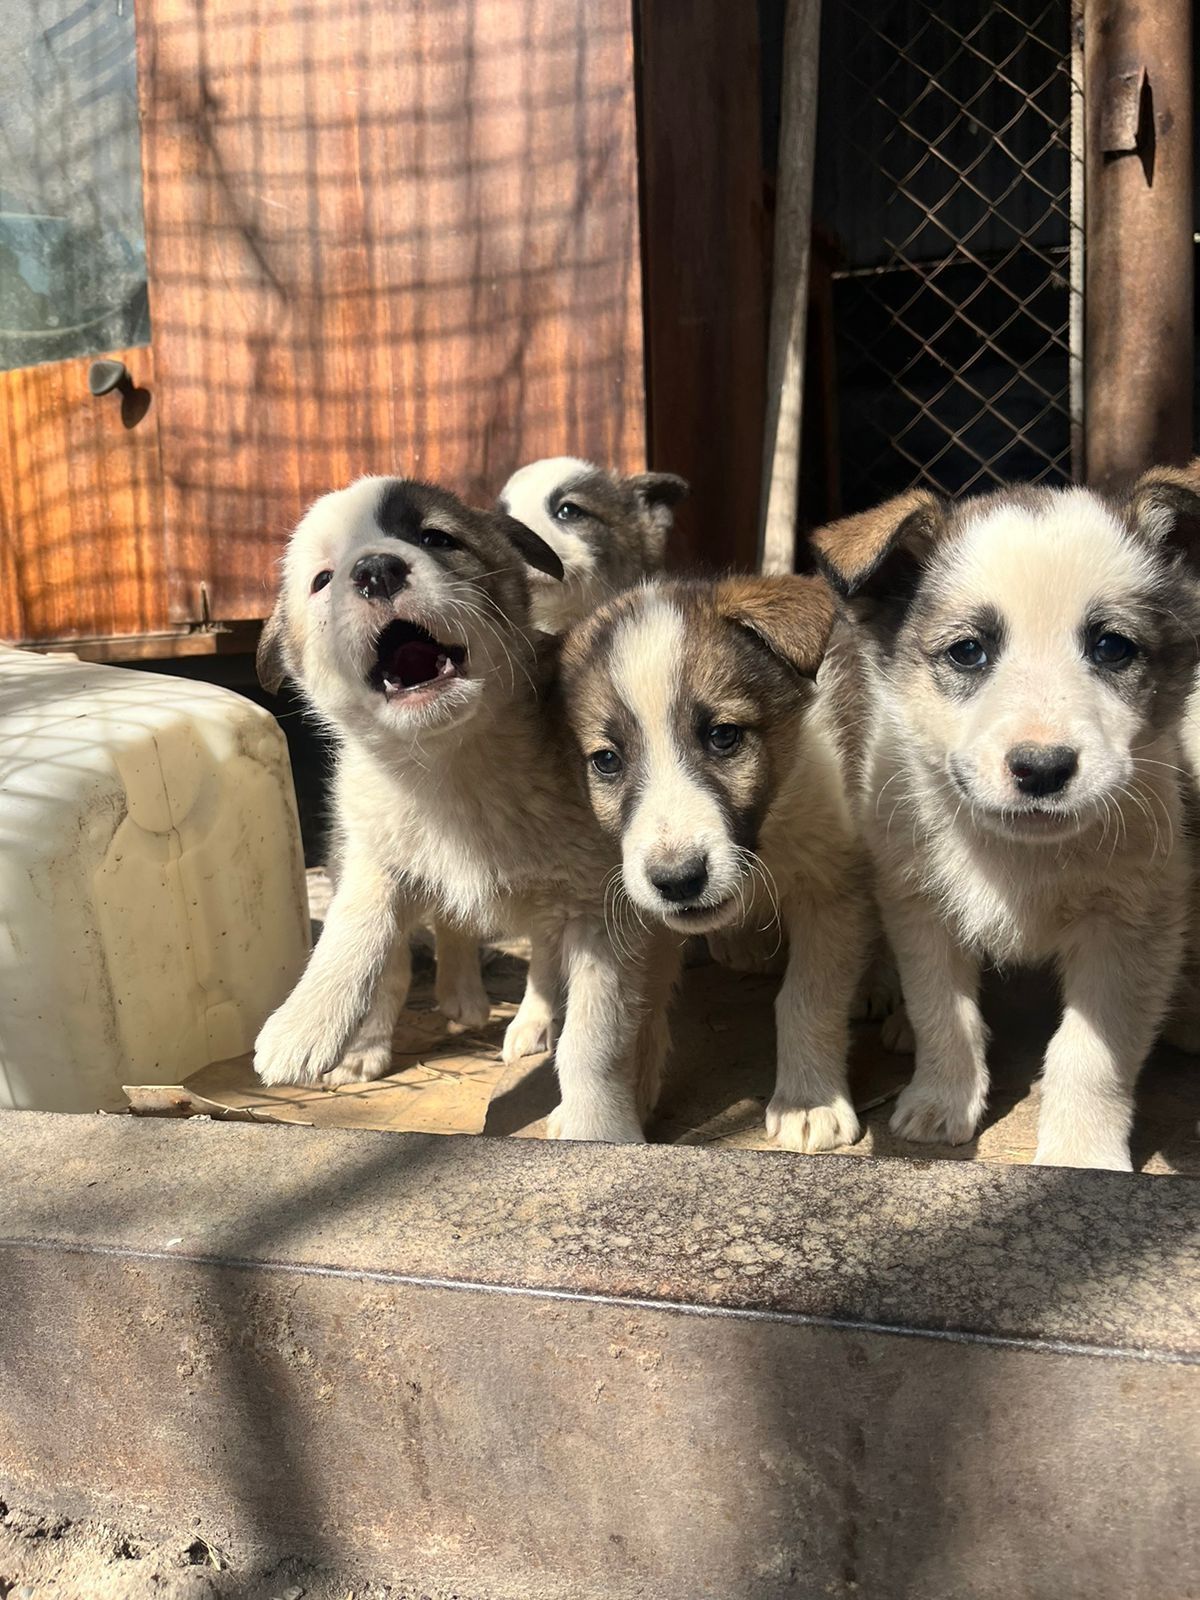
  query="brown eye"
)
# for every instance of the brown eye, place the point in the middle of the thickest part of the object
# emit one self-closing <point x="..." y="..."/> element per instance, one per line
<point x="320" y="581"/>
<point x="607" y="763"/>
<point x="435" y="539"/>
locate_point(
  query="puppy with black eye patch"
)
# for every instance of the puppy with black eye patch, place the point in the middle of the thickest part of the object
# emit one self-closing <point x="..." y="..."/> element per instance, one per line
<point x="725" y="774"/>
<point x="404" y="619"/>
<point x="608" y="532"/>
<point x="1030" y="655"/>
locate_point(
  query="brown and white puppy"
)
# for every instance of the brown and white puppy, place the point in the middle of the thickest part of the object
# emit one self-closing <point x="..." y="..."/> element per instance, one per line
<point x="722" y="770"/>
<point x="1031" y="653"/>
<point x="403" y="617"/>
<point x="608" y="532"/>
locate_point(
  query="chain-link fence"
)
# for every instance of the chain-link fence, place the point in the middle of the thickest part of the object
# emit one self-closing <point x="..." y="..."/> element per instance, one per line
<point x="946" y="174"/>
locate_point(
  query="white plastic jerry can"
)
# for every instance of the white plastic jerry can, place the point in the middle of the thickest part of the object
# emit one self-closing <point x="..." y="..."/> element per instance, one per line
<point x="152" y="891"/>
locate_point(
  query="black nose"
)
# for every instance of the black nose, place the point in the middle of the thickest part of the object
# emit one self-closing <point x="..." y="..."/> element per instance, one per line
<point x="379" y="577"/>
<point x="1040" y="769"/>
<point x="682" y="880"/>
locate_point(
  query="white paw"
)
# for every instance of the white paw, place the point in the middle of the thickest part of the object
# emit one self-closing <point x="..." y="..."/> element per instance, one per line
<point x="294" y="1046"/>
<point x="897" y="1035"/>
<point x="466" y="1002"/>
<point x="947" y="1118"/>
<point x="1109" y="1157"/>
<point x="878" y="995"/>
<point x="362" y="1065"/>
<point x="530" y="1033"/>
<point x="749" y="949"/>
<point x="812" y="1128"/>
<point x="596" y="1126"/>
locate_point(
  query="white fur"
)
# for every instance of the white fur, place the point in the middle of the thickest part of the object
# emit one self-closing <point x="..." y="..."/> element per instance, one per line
<point x="460" y="807"/>
<point x="557" y="606"/>
<point x="1098" y="889"/>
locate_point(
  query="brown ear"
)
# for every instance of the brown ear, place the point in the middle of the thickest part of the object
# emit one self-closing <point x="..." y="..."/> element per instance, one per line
<point x="873" y="552"/>
<point x="792" y="616"/>
<point x="269" y="660"/>
<point x="1164" y="506"/>
<point x="658" y="494"/>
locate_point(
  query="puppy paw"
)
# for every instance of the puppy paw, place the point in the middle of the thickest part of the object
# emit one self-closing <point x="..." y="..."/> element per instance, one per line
<point x="362" y="1065"/>
<point x="530" y="1033"/>
<point x="946" y="1118"/>
<point x="464" y="1001"/>
<point x="812" y="1128"/>
<point x="897" y="1035"/>
<point x="293" y="1048"/>
<point x="595" y="1126"/>
<point x="1104" y="1157"/>
<point x="878" y="995"/>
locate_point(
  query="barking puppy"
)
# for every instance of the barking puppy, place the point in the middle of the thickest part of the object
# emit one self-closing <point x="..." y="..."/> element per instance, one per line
<point x="1031" y="651"/>
<point x="723" y="772"/>
<point x="403" y="617"/>
<point x="608" y="532"/>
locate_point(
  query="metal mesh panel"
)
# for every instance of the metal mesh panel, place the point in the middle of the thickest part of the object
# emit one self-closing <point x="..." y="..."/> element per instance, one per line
<point x="945" y="170"/>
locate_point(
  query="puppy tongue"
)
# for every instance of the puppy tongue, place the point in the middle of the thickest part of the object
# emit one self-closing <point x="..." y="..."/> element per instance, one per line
<point x="417" y="661"/>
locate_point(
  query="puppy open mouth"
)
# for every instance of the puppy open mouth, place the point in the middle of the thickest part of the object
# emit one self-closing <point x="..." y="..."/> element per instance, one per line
<point x="407" y="659"/>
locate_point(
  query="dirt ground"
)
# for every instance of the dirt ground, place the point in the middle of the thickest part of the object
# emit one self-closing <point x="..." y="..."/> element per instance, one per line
<point x="51" y="1558"/>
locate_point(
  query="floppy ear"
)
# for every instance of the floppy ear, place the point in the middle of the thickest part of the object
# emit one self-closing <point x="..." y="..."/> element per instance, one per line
<point x="793" y="617"/>
<point x="269" y="659"/>
<point x="1164" y="505"/>
<point x="876" y="553"/>
<point x="532" y="549"/>
<point x="658" y="493"/>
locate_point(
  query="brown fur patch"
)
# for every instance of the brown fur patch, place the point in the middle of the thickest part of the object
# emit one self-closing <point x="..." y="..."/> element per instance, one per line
<point x="855" y="550"/>
<point x="792" y="616"/>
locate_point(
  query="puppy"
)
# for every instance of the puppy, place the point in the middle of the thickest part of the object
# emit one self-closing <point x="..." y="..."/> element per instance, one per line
<point x="403" y="617"/>
<point x="726" y="777"/>
<point x="1030" y="652"/>
<point x="608" y="532"/>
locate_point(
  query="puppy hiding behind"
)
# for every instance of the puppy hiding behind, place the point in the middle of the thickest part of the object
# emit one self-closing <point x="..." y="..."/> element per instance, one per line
<point x="403" y="617"/>
<point x="608" y="532"/>
<point x="725" y="774"/>
<point x="1030" y="653"/>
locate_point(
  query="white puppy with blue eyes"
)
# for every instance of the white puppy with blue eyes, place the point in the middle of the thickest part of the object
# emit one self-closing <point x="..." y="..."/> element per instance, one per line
<point x="1032" y="651"/>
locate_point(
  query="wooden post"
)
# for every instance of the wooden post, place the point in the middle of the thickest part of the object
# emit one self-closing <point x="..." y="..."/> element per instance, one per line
<point x="1139" y="348"/>
<point x="789" y="297"/>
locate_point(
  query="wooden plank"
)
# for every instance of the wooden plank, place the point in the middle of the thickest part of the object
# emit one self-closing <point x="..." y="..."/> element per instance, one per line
<point x="80" y="510"/>
<point x="705" y="256"/>
<point x="382" y="237"/>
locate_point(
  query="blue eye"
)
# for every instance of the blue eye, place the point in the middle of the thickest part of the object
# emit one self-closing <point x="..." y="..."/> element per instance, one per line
<point x="724" y="738"/>
<point x="1112" y="650"/>
<point x="568" y="512"/>
<point x="968" y="655"/>
<point x="607" y="763"/>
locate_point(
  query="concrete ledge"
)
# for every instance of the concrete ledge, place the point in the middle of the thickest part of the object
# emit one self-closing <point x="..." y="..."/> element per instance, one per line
<point x="558" y="1371"/>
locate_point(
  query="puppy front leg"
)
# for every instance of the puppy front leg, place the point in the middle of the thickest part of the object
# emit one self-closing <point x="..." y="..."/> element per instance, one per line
<point x="531" y="1031"/>
<point x="458" y="986"/>
<point x="1117" y="982"/>
<point x="308" y="1035"/>
<point x="370" y="1053"/>
<point x="652" y="1042"/>
<point x="593" y="1058"/>
<point x="810" y="1109"/>
<point x="940" y="982"/>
